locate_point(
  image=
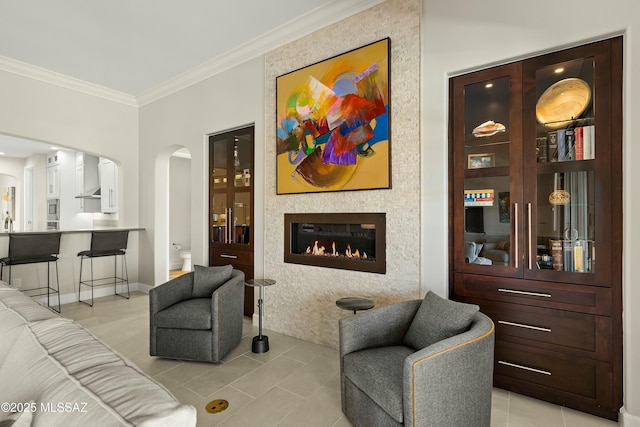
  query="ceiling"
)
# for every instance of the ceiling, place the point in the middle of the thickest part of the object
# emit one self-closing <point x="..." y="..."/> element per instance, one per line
<point x="135" y="46"/>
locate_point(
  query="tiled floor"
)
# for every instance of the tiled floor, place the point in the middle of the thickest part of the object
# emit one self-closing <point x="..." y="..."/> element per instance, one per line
<point x="295" y="384"/>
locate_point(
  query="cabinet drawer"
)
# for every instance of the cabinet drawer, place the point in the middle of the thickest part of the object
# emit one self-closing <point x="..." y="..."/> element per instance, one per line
<point x="556" y="372"/>
<point x="562" y="296"/>
<point x="581" y="334"/>
<point x="231" y="256"/>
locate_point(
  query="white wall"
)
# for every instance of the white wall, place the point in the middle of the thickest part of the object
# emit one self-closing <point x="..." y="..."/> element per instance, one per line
<point x="460" y="36"/>
<point x="33" y="109"/>
<point x="228" y="100"/>
<point x="40" y="111"/>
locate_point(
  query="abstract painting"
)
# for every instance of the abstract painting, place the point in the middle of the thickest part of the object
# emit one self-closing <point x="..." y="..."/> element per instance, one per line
<point x="333" y="123"/>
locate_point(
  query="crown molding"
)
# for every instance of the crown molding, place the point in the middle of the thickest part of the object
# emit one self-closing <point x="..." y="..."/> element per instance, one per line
<point x="31" y="71"/>
<point x="312" y="21"/>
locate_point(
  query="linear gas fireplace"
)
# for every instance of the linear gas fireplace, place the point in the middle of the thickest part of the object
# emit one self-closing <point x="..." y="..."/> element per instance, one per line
<point x="349" y="241"/>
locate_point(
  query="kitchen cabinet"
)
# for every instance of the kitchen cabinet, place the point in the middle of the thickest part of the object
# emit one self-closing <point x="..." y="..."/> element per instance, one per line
<point x="87" y="188"/>
<point x="53" y="182"/>
<point x="231" y="231"/>
<point x="535" y="151"/>
<point x="108" y="186"/>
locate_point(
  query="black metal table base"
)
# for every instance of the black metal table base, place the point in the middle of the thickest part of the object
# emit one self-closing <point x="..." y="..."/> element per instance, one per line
<point x="260" y="344"/>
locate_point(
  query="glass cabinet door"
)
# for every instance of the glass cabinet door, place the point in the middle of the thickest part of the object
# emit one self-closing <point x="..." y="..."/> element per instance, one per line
<point x="562" y="214"/>
<point x="487" y="141"/>
<point x="242" y="210"/>
<point x="231" y="188"/>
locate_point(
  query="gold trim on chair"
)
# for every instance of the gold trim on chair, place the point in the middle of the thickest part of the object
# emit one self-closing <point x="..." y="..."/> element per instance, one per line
<point x="413" y="372"/>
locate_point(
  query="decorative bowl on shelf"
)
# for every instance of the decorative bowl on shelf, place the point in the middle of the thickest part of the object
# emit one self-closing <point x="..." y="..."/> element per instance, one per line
<point x="562" y="102"/>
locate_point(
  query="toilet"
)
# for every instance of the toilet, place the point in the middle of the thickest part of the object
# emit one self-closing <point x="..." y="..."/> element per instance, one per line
<point x="185" y="255"/>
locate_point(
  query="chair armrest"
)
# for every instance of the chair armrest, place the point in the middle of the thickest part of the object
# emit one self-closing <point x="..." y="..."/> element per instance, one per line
<point x="227" y="312"/>
<point x="378" y="327"/>
<point x="450" y="382"/>
<point x="171" y="292"/>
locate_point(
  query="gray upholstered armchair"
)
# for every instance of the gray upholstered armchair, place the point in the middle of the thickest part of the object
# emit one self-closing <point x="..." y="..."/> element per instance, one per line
<point x="417" y="363"/>
<point x="197" y="316"/>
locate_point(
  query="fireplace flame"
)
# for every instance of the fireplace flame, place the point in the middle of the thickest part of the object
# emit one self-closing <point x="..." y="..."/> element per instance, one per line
<point x="318" y="250"/>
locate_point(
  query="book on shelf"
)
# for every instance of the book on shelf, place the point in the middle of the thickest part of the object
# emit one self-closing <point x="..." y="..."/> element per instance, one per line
<point x="557" y="256"/>
<point x="566" y="145"/>
<point x="562" y="147"/>
<point x="588" y="137"/>
<point x="579" y="144"/>
<point x="570" y="144"/>
<point x="552" y="146"/>
<point x="541" y="149"/>
<point x="584" y="143"/>
<point x="576" y="256"/>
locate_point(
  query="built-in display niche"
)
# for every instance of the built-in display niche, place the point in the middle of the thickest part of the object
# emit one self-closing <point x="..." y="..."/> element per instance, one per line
<point x="349" y="241"/>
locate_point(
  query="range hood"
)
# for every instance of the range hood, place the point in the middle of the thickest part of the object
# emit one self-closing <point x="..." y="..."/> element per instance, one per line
<point x="93" y="193"/>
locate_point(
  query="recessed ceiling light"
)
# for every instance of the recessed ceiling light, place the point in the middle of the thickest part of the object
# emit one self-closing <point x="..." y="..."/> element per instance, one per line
<point x="488" y="85"/>
<point x="54" y="148"/>
<point x="558" y="70"/>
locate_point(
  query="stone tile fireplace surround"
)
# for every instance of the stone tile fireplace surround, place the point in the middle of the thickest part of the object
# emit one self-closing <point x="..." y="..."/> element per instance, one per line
<point x="302" y="303"/>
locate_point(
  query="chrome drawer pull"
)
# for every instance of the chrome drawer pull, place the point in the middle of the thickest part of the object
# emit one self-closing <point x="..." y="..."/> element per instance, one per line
<point x="520" y="325"/>
<point x="228" y="256"/>
<point x="526" y="368"/>
<point x="532" y="294"/>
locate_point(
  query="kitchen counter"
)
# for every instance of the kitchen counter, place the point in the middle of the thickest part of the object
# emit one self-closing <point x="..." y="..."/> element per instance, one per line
<point x="80" y="230"/>
<point x="71" y="243"/>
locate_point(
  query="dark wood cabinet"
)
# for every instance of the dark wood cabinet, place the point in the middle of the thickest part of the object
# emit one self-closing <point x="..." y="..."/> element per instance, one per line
<point x="535" y="161"/>
<point x="231" y="231"/>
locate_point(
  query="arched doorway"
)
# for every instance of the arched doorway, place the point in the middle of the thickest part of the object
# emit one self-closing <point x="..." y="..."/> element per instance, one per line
<point x="180" y="212"/>
<point x="165" y="187"/>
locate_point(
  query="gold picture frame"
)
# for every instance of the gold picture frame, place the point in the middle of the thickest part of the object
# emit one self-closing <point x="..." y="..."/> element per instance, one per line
<point x="481" y="161"/>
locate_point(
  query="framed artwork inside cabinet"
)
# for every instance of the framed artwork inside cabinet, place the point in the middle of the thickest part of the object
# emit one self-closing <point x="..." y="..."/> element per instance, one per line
<point x="480" y="161"/>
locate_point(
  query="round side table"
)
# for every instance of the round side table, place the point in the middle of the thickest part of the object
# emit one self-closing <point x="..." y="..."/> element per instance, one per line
<point x="354" y="303"/>
<point x="261" y="342"/>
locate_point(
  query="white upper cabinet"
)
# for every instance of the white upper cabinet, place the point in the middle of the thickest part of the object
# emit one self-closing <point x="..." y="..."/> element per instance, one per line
<point x="109" y="185"/>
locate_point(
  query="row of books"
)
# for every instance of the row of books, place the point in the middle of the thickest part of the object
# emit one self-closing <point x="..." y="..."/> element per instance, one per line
<point x="578" y="256"/>
<point x="567" y="144"/>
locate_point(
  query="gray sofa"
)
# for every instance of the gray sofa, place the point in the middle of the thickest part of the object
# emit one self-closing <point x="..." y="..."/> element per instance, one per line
<point x="55" y="373"/>
<point x="197" y="316"/>
<point x="417" y="363"/>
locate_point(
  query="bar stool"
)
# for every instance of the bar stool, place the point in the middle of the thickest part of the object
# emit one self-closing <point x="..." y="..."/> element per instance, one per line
<point x="106" y="243"/>
<point x="33" y="248"/>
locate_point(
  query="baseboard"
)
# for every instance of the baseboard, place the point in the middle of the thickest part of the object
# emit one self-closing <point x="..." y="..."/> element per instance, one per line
<point x="143" y="288"/>
<point x="85" y="295"/>
<point x="629" y="420"/>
